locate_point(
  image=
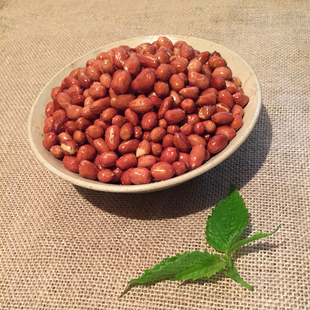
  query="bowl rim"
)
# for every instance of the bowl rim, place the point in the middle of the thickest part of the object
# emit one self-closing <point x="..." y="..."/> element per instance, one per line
<point x="76" y="179"/>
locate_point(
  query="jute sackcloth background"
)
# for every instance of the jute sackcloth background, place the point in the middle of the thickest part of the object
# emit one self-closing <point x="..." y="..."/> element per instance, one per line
<point x="65" y="247"/>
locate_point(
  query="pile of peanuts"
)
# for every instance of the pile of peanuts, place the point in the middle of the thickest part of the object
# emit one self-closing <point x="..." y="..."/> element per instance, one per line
<point x="144" y="114"/>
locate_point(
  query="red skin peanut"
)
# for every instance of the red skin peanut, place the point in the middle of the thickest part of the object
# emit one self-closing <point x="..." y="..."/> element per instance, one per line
<point x="127" y="161"/>
<point x="85" y="152"/>
<point x="147" y="161"/>
<point x="162" y="171"/>
<point x="217" y="143"/>
<point x="144" y="148"/>
<point x="140" y="175"/>
<point x="71" y="163"/>
<point x="49" y="140"/>
<point x="108" y="159"/>
<point x="169" y="155"/>
<point x="87" y="170"/>
<point x="105" y="175"/>
<point x="112" y="137"/>
<point x="196" y="156"/>
<point x="179" y="167"/>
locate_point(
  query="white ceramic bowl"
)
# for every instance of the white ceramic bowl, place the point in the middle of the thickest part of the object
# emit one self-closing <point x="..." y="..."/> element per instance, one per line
<point x="239" y="68"/>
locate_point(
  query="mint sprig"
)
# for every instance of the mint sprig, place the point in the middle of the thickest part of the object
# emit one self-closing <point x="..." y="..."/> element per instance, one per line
<point x="225" y="226"/>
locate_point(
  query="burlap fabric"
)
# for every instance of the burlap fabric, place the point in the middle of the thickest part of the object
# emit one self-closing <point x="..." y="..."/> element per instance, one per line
<point x="65" y="247"/>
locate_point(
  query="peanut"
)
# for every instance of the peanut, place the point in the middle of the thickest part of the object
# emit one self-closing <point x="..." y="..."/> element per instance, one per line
<point x="140" y="175"/>
<point x="162" y="171"/>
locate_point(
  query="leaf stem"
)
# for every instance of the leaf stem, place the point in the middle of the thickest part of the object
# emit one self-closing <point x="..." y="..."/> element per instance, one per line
<point x="233" y="273"/>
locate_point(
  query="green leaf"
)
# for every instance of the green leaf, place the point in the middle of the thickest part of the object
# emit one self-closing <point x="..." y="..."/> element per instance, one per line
<point x="233" y="273"/>
<point x="168" y="268"/>
<point x="243" y="242"/>
<point x="227" y="222"/>
<point x="205" y="267"/>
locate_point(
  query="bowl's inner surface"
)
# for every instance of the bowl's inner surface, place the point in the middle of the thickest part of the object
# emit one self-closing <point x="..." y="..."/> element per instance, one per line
<point x="239" y="68"/>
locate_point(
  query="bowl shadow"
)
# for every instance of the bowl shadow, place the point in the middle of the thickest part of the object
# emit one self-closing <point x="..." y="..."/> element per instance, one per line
<point x="197" y="194"/>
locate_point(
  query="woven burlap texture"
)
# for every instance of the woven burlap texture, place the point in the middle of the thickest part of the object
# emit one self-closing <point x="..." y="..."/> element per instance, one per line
<point x="65" y="247"/>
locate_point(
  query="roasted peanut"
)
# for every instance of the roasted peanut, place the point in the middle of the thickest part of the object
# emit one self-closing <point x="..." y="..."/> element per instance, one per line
<point x="105" y="175"/>
<point x="237" y="109"/>
<point x="137" y="132"/>
<point x="70" y="127"/>
<point x="82" y="123"/>
<point x="129" y="146"/>
<point x="144" y="82"/>
<point x="87" y="170"/>
<point x="237" y="122"/>
<point x="216" y="61"/>
<point x="133" y="65"/>
<point x="71" y="163"/>
<point x="188" y="105"/>
<point x="195" y="139"/>
<point x="206" y="111"/>
<point x="179" y="167"/>
<point x="100" y="145"/>
<point x="181" y="142"/>
<point x="64" y="136"/>
<point x="144" y="148"/>
<point x="224" y="72"/>
<point x="98" y="106"/>
<point x="121" y="81"/>
<point x="118" y="120"/>
<point x="125" y="177"/>
<point x="112" y="137"/>
<point x="217" y="143"/>
<point x="49" y="140"/>
<point x="127" y="161"/>
<point x="163" y="72"/>
<point x="176" y="82"/>
<point x="196" y="156"/>
<point x="199" y="128"/>
<point x="225" y="96"/>
<point x="147" y="161"/>
<point x="122" y="101"/>
<point x="218" y="82"/>
<point x="222" y="118"/>
<point x="162" y="89"/>
<point x="240" y="99"/>
<point x="56" y="151"/>
<point x="141" y="105"/>
<point x="206" y="99"/>
<point x="166" y="105"/>
<point x="63" y="99"/>
<point x="132" y="117"/>
<point x="140" y="175"/>
<point x="167" y="140"/>
<point x="174" y="116"/>
<point x="108" y="159"/>
<point x="162" y="171"/>
<point x="85" y="152"/>
<point x="227" y="131"/>
<point x="156" y="148"/>
<point x="105" y="80"/>
<point x="157" y="134"/>
<point x="58" y="125"/>
<point x="209" y="126"/>
<point x="199" y="80"/>
<point x="149" y="120"/>
<point x="187" y="129"/>
<point x="108" y="114"/>
<point x="169" y="155"/>
<point x="126" y="131"/>
<point x="191" y="92"/>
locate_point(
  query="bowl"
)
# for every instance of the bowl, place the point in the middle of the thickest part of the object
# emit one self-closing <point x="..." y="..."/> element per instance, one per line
<point x="239" y="67"/>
